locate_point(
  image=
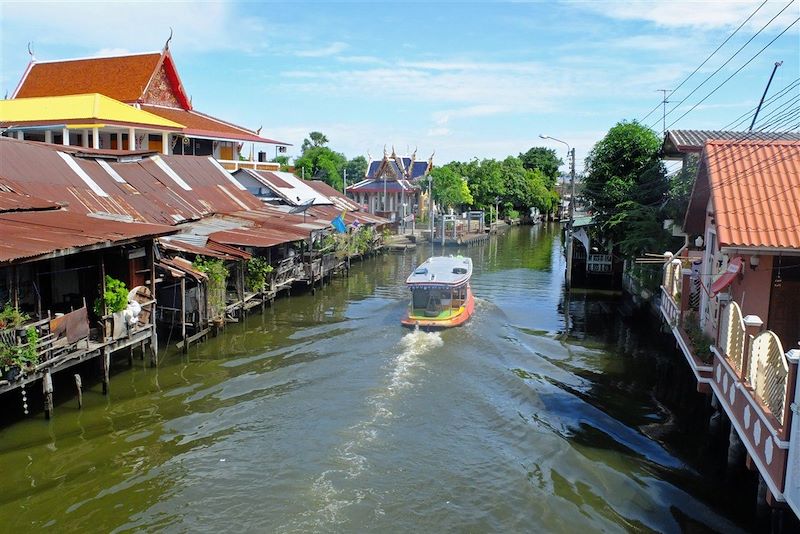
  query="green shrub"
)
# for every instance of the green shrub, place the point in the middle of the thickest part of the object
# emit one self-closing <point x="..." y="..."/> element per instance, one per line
<point x="20" y="355"/>
<point x="512" y="214"/>
<point x="115" y="297"/>
<point x="697" y="337"/>
<point x="11" y="317"/>
<point x="257" y="273"/>
<point x="217" y="282"/>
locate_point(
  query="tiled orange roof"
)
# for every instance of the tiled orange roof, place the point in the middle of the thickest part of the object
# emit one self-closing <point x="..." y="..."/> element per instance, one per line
<point x="202" y="125"/>
<point x="122" y="78"/>
<point x="755" y="189"/>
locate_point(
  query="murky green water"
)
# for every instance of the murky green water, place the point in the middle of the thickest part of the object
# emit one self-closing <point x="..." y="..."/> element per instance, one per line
<point x="323" y="414"/>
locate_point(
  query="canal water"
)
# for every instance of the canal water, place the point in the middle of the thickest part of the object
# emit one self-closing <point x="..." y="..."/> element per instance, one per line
<point x="323" y="414"/>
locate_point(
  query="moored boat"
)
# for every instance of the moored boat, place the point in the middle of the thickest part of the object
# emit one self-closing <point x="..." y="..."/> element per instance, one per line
<point x="441" y="296"/>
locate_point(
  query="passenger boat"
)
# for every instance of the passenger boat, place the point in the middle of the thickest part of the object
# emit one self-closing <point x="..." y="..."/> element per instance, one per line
<point x="440" y="293"/>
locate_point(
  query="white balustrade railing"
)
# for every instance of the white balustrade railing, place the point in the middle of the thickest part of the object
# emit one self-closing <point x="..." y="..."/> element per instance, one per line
<point x="769" y="372"/>
<point x="732" y="336"/>
<point x="669" y="307"/>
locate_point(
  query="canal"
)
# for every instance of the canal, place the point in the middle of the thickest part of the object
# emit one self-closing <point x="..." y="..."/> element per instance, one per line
<point x="323" y="414"/>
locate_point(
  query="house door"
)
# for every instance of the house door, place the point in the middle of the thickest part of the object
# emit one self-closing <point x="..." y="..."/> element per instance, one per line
<point x="226" y="152"/>
<point x="784" y="302"/>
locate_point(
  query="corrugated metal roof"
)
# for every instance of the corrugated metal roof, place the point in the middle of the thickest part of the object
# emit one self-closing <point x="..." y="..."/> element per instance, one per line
<point x="186" y="243"/>
<point x="11" y="201"/>
<point x="755" y="189"/>
<point x="33" y="234"/>
<point x="141" y="187"/>
<point x="678" y="142"/>
<point x="292" y="190"/>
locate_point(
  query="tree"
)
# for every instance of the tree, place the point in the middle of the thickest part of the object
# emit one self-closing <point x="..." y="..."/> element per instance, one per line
<point x="356" y="169"/>
<point x="544" y="160"/>
<point x="321" y="163"/>
<point x="626" y="185"/>
<point x="450" y="189"/>
<point x="314" y="139"/>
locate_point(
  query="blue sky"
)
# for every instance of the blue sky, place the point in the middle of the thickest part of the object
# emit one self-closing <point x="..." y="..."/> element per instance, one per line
<point x="466" y="79"/>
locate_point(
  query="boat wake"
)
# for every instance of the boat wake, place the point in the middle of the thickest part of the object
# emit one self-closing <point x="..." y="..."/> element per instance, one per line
<point x="350" y="459"/>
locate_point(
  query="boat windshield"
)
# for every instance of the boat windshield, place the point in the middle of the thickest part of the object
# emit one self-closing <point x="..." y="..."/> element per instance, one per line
<point x="431" y="302"/>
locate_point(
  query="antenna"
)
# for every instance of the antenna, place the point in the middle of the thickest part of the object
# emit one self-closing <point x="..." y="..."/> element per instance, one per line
<point x="664" y="103"/>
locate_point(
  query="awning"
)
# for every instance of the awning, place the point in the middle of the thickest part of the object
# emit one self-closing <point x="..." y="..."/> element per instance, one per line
<point x="734" y="268"/>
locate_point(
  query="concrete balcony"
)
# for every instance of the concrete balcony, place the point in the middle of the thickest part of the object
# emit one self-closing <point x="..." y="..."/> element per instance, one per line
<point x="235" y="165"/>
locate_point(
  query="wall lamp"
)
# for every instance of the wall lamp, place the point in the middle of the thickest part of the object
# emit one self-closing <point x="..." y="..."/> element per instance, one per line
<point x="754" y="261"/>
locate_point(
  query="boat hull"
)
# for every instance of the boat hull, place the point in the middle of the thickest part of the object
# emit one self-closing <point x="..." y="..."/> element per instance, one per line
<point x="428" y="323"/>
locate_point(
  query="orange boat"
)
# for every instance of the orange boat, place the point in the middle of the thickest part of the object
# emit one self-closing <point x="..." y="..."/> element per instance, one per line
<point x="440" y="293"/>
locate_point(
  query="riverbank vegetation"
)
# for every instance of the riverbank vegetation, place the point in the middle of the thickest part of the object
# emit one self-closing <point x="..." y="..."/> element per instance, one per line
<point x="628" y="190"/>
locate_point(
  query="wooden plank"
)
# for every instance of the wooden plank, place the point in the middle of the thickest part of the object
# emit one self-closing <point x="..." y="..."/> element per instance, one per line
<point x="194" y="337"/>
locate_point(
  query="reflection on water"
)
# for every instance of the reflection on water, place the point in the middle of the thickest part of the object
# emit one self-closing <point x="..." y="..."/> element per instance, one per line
<point x="324" y="414"/>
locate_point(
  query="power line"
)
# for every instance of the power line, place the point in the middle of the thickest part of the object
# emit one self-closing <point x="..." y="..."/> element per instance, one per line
<point x="737" y="71"/>
<point x="709" y="57"/>
<point x="733" y="56"/>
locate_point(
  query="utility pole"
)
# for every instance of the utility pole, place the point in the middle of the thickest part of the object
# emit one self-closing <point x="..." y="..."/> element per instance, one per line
<point x="344" y="181"/>
<point x="664" y="103"/>
<point x="777" y="64"/>
<point x="570" y="229"/>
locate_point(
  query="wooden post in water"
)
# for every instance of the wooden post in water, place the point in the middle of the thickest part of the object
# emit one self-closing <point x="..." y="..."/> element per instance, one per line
<point x="183" y="315"/>
<point x="106" y="356"/>
<point x="79" y="387"/>
<point x="47" y="389"/>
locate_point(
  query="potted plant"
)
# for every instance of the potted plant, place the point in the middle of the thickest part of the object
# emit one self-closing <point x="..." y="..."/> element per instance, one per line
<point x="113" y="302"/>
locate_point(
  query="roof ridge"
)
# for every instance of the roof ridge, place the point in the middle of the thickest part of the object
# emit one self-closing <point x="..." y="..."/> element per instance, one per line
<point x="87" y="58"/>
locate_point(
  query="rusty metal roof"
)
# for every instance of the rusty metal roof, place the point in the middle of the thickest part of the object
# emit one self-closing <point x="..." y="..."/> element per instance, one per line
<point x="12" y="201"/>
<point x="679" y="142"/>
<point x="36" y="234"/>
<point x="755" y="191"/>
<point x="157" y="189"/>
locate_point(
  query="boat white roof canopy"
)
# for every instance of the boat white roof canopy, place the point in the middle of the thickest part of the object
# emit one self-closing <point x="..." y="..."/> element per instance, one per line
<point x="441" y="271"/>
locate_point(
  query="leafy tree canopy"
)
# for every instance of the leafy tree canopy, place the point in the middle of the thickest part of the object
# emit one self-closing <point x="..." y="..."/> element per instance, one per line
<point x="449" y="187"/>
<point x="356" y="169"/>
<point x="626" y="186"/>
<point x="314" y="139"/>
<point x="545" y="160"/>
<point x="321" y="163"/>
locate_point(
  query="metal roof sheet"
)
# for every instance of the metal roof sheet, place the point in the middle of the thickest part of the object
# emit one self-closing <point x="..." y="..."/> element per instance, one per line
<point x="12" y="201"/>
<point x="679" y="142"/>
<point x="148" y="190"/>
<point x="33" y="234"/>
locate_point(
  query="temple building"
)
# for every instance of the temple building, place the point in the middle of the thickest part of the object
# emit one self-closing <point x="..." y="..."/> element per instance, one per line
<point x="81" y="102"/>
<point x="394" y="187"/>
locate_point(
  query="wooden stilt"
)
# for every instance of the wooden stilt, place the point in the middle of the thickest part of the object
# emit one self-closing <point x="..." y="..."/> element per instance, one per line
<point x="183" y="315"/>
<point x="79" y="387"/>
<point x="47" y="389"/>
<point x="153" y="349"/>
<point x="106" y="355"/>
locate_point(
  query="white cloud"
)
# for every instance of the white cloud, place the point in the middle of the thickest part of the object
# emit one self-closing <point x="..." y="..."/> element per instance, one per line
<point x="330" y="50"/>
<point x="103" y="52"/>
<point x="125" y="25"/>
<point x="438" y="132"/>
<point x="481" y="110"/>
<point x="695" y="14"/>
